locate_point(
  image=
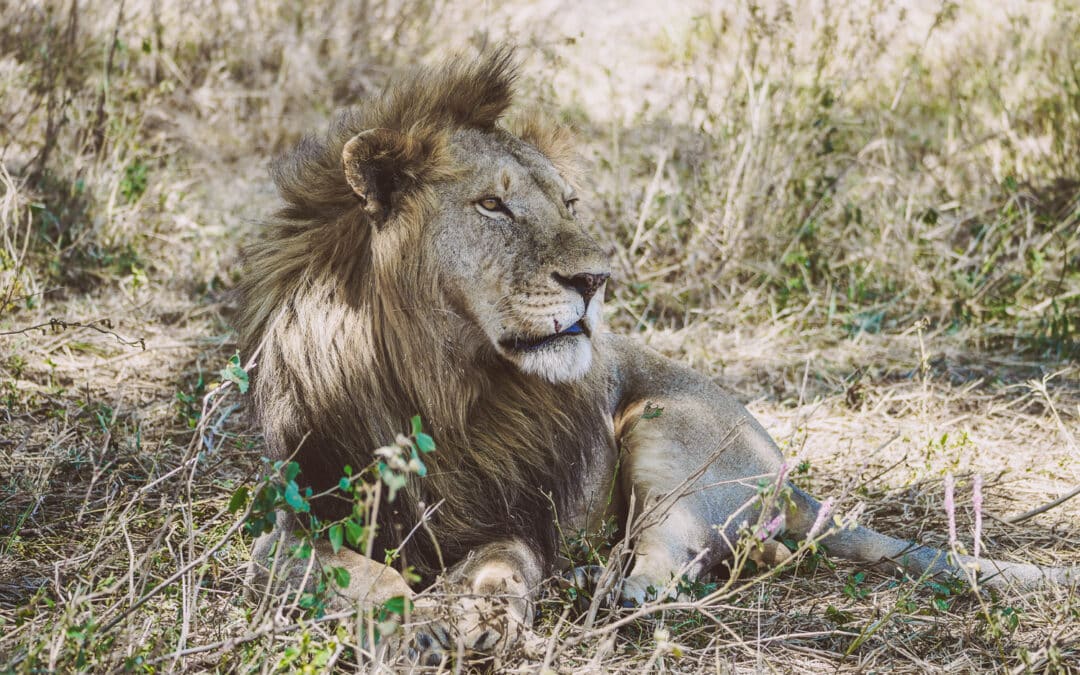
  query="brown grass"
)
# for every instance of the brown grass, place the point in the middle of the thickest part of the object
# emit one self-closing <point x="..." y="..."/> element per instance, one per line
<point x="789" y="190"/>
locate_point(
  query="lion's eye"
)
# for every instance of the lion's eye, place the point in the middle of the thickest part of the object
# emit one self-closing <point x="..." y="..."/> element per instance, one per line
<point x="490" y="206"/>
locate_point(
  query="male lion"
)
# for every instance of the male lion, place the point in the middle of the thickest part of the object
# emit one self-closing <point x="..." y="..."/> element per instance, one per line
<point x="428" y="261"/>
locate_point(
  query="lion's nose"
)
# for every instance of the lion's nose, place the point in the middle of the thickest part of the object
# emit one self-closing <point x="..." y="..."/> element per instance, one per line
<point x="586" y="283"/>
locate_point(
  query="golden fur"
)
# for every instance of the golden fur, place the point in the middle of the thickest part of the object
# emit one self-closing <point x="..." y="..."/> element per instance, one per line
<point x="350" y="336"/>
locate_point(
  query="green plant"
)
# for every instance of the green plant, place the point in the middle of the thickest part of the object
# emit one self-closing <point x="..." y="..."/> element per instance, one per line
<point x="134" y="182"/>
<point x="946" y="592"/>
<point x="190" y="402"/>
<point x="1002" y="619"/>
<point x="853" y="587"/>
<point x="280" y="490"/>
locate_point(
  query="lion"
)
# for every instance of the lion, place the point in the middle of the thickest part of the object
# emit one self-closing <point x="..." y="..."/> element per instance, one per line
<point x="429" y="260"/>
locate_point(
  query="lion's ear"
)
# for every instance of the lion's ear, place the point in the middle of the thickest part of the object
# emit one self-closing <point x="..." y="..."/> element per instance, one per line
<point x="381" y="163"/>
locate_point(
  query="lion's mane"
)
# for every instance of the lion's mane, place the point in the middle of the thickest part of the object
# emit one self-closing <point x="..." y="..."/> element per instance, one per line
<point x="346" y="327"/>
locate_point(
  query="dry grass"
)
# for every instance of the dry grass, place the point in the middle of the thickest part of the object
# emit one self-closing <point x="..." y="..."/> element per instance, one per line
<point x="789" y="191"/>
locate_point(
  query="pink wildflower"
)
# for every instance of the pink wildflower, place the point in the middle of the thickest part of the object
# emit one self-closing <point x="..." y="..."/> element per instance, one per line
<point x="822" y="515"/>
<point x="976" y="501"/>
<point x="950" y="510"/>
<point x="771" y="528"/>
<point x="781" y="475"/>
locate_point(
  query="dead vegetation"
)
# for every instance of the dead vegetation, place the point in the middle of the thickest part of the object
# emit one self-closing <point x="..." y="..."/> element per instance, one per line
<point x="864" y="219"/>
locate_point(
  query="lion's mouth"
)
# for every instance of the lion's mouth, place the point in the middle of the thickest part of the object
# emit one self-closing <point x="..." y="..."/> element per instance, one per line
<point x="530" y="344"/>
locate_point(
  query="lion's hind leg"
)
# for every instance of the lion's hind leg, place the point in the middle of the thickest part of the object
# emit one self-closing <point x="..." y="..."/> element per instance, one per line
<point x="693" y="463"/>
<point x="891" y="555"/>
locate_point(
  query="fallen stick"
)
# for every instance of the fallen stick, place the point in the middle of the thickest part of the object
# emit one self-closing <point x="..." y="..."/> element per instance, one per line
<point x="1012" y="520"/>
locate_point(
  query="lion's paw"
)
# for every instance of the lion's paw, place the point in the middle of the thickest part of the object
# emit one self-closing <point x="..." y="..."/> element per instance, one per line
<point x="637" y="589"/>
<point x="468" y="626"/>
<point x="582" y="583"/>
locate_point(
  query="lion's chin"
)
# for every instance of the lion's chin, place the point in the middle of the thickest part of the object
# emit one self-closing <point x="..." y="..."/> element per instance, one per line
<point x="565" y="361"/>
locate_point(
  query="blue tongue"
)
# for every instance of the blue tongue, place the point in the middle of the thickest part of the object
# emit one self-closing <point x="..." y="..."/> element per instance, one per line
<point x="573" y="330"/>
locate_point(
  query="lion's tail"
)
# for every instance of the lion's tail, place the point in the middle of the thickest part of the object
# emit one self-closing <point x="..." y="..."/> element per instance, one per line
<point x="862" y="544"/>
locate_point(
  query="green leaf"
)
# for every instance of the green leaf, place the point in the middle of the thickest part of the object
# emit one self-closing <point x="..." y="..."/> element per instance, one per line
<point x="294" y="499"/>
<point x="417" y="427"/>
<point x="239" y="499"/>
<point x="652" y="411"/>
<point x="266" y="497"/>
<point x="292" y="470"/>
<point x="341" y="576"/>
<point x="424" y="442"/>
<point x="838" y="616"/>
<point x="344" y="485"/>
<point x="235" y="373"/>
<point x="348" y="470"/>
<point x="938" y="589"/>
<point x="411" y="577"/>
<point x="336" y="534"/>
<point x="354" y="533"/>
<point x="396" y="605"/>
<point x="302" y="551"/>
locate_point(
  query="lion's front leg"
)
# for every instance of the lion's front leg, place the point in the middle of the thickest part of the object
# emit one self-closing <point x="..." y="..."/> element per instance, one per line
<point x="484" y="604"/>
<point x="274" y="571"/>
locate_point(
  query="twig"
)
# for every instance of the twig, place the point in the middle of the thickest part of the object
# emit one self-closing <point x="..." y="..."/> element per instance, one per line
<point x="1013" y="520"/>
<point x="212" y="401"/>
<point x="99" y="117"/>
<point x="103" y="326"/>
<point x="206" y="555"/>
<point x="887" y="469"/>
<point x="647" y="200"/>
<point x="273" y="626"/>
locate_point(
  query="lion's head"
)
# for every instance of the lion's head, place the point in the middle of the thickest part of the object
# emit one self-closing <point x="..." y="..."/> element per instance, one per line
<point x="513" y="264"/>
<point x="428" y="260"/>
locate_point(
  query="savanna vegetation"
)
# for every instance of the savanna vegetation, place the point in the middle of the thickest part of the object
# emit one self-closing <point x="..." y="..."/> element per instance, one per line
<point x="864" y="218"/>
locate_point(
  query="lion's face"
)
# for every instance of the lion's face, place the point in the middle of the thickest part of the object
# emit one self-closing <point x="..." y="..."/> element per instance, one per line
<point x="512" y="259"/>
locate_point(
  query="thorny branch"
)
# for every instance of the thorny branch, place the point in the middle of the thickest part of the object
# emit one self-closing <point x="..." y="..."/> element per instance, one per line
<point x="103" y="326"/>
